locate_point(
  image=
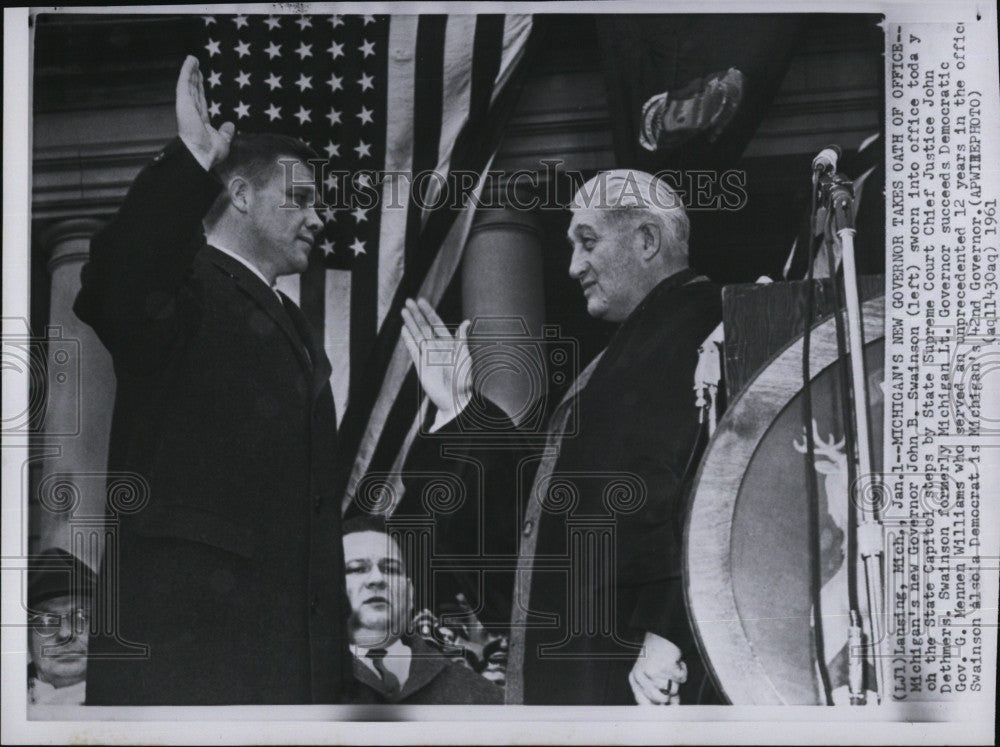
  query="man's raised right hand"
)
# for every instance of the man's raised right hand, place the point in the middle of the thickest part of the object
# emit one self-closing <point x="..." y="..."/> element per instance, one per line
<point x="208" y="145"/>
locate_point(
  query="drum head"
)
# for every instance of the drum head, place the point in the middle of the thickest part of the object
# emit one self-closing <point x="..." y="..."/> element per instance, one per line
<point x="747" y="554"/>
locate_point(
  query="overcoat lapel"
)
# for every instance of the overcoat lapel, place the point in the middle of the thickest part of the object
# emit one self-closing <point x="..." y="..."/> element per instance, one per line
<point x="264" y="297"/>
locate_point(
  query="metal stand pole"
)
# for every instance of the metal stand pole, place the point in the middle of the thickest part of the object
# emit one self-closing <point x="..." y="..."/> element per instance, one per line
<point x="870" y="530"/>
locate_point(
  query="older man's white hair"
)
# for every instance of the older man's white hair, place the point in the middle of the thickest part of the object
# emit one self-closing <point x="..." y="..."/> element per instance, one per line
<point x="627" y="191"/>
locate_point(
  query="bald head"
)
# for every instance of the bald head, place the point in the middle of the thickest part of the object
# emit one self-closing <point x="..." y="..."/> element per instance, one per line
<point x="629" y="232"/>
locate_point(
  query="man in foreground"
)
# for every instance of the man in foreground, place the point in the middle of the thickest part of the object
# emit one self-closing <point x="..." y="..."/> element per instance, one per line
<point x="391" y="665"/>
<point x="223" y="572"/>
<point x="599" y="615"/>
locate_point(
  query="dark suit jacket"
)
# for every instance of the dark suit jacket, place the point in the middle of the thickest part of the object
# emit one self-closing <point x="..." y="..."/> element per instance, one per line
<point x="433" y="680"/>
<point x="229" y="564"/>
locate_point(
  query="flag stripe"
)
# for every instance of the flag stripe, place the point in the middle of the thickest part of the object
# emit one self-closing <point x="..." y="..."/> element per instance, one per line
<point x="434" y="275"/>
<point x="489" y="39"/>
<point x="398" y="158"/>
<point x="427" y="117"/>
<point x="457" y="85"/>
<point x="338" y="335"/>
<point x="399" y="364"/>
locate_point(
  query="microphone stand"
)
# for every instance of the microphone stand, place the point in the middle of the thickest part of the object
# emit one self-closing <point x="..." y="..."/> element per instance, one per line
<point x="837" y="193"/>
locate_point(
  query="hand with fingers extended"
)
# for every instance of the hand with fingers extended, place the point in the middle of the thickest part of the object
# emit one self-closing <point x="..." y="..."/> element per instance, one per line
<point x="208" y="145"/>
<point x="658" y="673"/>
<point x="443" y="361"/>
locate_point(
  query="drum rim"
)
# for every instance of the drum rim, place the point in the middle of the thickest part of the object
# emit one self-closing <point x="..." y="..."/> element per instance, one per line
<point x="724" y="645"/>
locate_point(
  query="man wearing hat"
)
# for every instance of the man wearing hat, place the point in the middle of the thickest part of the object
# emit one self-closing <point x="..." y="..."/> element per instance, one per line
<point x="60" y="587"/>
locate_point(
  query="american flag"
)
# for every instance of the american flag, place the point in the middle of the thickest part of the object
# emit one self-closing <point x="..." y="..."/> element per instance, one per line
<point x="372" y="94"/>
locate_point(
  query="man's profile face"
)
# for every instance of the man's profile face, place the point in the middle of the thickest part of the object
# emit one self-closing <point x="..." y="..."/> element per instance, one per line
<point x="57" y="640"/>
<point x="284" y="218"/>
<point x="380" y="594"/>
<point x="606" y="263"/>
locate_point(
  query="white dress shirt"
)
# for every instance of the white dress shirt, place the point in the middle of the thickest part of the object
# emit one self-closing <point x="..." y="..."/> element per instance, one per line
<point x="250" y="266"/>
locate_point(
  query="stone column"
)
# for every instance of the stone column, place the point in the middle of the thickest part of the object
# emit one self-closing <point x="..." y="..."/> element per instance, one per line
<point x="70" y="489"/>
<point x="503" y="295"/>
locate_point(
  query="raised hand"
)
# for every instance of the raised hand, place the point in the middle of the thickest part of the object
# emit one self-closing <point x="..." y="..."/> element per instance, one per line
<point x="442" y="360"/>
<point x="207" y="145"/>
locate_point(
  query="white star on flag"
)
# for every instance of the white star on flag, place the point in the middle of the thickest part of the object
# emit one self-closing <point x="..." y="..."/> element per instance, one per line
<point x="336" y="21"/>
<point x="363" y="149"/>
<point x="329" y="214"/>
<point x="333" y="116"/>
<point x="304" y="50"/>
<point x="365" y="115"/>
<point x="273" y="50"/>
<point x="214" y="79"/>
<point x="242" y="49"/>
<point x="358" y="247"/>
<point x="335" y="82"/>
<point x="304" y="82"/>
<point x="213" y="109"/>
<point x="327" y="246"/>
<point x="272" y="22"/>
<point x="304" y="23"/>
<point x="369" y="19"/>
<point x="243" y="110"/>
<point x="273" y="112"/>
<point x="332" y="149"/>
<point x="243" y="79"/>
<point x="337" y="50"/>
<point x="330" y="182"/>
<point x="303" y="115"/>
<point x="273" y="81"/>
<point x="359" y="214"/>
<point x="212" y="47"/>
<point x="367" y="48"/>
<point x="240" y="21"/>
<point x="366" y="82"/>
<point x="209" y="20"/>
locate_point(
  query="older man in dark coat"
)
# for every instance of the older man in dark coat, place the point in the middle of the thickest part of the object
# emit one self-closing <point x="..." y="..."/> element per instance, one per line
<point x="223" y="576"/>
<point x="599" y="615"/>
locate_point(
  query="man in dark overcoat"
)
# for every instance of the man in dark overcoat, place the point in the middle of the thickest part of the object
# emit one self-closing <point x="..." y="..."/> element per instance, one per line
<point x="222" y="579"/>
<point x="599" y="614"/>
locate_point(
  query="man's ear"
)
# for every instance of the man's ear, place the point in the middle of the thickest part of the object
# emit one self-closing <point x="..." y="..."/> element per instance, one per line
<point x="239" y="193"/>
<point x="651" y="237"/>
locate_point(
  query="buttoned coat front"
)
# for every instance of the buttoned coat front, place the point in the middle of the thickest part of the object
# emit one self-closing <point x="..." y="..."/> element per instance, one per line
<point x="223" y="571"/>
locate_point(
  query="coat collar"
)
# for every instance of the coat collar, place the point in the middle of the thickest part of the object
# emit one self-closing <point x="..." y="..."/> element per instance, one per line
<point x="425" y="665"/>
<point x="250" y="284"/>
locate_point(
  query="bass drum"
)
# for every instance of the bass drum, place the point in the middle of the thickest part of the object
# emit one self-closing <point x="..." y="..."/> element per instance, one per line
<point x="747" y="554"/>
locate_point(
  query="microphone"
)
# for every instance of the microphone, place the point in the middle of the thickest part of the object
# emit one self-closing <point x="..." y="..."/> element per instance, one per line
<point x="826" y="160"/>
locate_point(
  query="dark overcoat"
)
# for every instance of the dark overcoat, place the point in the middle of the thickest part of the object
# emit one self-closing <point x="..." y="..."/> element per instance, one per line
<point x="607" y="561"/>
<point x="223" y="575"/>
<point x="433" y="680"/>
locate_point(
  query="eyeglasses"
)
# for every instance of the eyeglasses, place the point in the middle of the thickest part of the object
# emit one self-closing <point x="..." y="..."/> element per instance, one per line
<point x="47" y="624"/>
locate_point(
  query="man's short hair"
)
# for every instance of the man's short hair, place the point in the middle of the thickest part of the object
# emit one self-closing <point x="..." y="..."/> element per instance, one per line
<point x="624" y="191"/>
<point x="255" y="155"/>
<point x="365" y="523"/>
<point x="377" y="523"/>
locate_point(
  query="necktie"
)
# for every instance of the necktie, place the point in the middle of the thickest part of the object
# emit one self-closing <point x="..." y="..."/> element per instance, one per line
<point x="298" y="321"/>
<point x="391" y="681"/>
